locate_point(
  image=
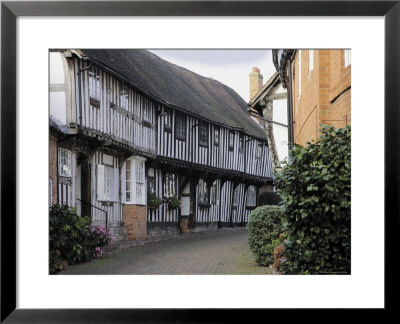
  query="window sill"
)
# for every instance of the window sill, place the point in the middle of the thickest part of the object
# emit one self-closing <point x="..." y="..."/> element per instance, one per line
<point x="180" y="138"/>
<point x="203" y="145"/>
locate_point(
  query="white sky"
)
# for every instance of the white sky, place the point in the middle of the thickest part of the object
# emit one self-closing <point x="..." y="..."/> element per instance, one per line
<point x="231" y="67"/>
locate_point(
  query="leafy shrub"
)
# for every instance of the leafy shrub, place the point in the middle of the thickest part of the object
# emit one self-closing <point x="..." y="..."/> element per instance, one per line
<point x="56" y="263"/>
<point x="69" y="234"/>
<point x="315" y="188"/>
<point x="263" y="228"/>
<point x="72" y="239"/>
<point x="98" y="238"/>
<point x="269" y="198"/>
<point x="173" y="202"/>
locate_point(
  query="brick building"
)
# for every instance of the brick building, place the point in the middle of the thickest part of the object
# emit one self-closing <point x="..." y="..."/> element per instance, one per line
<point x="319" y="88"/>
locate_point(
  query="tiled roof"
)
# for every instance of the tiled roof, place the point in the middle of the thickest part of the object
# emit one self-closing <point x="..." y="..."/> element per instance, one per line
<point x="178" y="87"/>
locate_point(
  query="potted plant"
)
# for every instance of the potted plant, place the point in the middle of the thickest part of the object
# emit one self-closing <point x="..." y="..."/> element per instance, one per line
<point x="153" y="201"/>
<point x="173" y="202"/>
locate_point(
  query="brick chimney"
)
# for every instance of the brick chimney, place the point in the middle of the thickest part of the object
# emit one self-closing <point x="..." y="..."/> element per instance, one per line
<point x="256" y="81"/>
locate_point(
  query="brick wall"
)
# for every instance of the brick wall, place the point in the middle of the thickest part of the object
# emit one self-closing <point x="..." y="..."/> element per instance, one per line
<point x="135" y="221"/>
<point x="325" y="93"/>
<point x="53" y="165"/>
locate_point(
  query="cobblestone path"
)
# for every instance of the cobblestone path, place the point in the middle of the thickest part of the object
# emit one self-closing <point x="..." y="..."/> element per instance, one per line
<point x="199" y="253"/>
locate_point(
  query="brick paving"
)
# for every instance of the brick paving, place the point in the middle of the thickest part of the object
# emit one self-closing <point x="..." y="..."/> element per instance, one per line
<point x="222" y="252"/>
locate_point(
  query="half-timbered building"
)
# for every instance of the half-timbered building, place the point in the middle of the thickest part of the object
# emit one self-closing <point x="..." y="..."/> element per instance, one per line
<point x="138" y="125"/>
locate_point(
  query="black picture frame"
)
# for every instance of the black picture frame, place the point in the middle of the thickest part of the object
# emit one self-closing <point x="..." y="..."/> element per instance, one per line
<point x="10" y="10"/>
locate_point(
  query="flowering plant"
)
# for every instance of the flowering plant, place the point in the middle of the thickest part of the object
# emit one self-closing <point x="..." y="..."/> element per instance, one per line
<point x="153" y="200"/>
<point x="98" y="238"/>
<point x="173" y="202"/>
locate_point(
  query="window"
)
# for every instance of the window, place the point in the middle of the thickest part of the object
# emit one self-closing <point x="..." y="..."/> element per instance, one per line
<point x="259" y="150"/>
<point x="140" y="194"/>
<point x="203" y="192"/>
<point x="203" y="134"/>
<point x="236" y="196"/>
<point x="151" y="185"/>
<point x="124" y="97"/>
<point x="135" y="181"/>
<point x="213" y="194"/>
<point x="169" y="185"/>
<point x="216" y="136"/>
<point x="64" y="162"/>
<point x="231" y="140"/>
<point x="147" y="110"/>
<point x="180" y="126"/>
<point x="128" y="181"/>
<point x="107" y="183"/>
<point x="94" y="83"/>
<point x="310" y="61"/>
<point x="241" y="143"/>
<point x="251" y="197"/>
<point x="167" y="121"/>
<point x="299" y="74"/>
<point x="347" y="57"/>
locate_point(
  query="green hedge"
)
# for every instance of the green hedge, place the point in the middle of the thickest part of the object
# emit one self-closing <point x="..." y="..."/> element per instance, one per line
<point x="315" y="188"/>
<point x="269" y="198"/>
<point x="263" y="227"/>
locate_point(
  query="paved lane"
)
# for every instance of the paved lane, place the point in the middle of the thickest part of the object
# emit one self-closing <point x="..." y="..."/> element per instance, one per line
<point x="199" y="253"/>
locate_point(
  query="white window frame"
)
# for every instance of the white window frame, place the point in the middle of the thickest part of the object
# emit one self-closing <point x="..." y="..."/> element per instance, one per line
<point x="169" y="187"/>
<point x="64" y="162"/>
<point x="251" y="199"/>
<point x="136" y="177"/>
<point x="147" y="111"/>
<point x="107" y="183"/>
<point x="347" y="57"/>
<point x="203" y="193"/>
<point x="94" y="83"/>
<point x="310" y="61"/>
<point x="124" y="96"/>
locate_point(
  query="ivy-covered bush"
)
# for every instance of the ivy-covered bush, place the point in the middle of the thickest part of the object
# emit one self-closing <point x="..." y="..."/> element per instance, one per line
<point x="72" y="239"/>
<point x="263" y="227"/>
<point x="315" y="189"/>
<point x="269" y="198"/>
